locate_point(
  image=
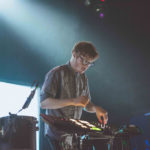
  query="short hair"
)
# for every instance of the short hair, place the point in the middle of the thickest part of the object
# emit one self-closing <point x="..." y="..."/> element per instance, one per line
<point x="86" y="49"/>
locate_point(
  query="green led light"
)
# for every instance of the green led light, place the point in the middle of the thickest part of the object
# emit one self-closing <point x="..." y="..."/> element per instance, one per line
<point x="96" y="129"/>
<point x="121" y="130"/>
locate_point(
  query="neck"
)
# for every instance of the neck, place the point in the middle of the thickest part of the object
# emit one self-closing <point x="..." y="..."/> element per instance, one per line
<point x="72" y="64"/>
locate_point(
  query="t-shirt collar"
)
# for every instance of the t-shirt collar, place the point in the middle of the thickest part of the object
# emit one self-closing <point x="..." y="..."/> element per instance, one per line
<point x="69" y="66"/>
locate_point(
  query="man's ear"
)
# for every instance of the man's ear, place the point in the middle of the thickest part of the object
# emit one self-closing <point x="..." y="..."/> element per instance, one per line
<point x="74" y="54"/>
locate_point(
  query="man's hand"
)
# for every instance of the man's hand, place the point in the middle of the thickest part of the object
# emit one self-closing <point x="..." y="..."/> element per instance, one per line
<point x="81" y="101"/>
<point x="102" y="115"/>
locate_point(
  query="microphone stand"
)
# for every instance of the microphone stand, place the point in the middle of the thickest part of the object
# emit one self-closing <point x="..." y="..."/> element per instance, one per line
<point x="29" y="98"/>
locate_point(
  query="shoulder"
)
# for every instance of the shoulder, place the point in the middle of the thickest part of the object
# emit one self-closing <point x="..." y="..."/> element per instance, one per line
<point x="57" y="70"/>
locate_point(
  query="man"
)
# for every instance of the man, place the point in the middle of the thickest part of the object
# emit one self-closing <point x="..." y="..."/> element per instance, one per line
<point x="65" y="92"/>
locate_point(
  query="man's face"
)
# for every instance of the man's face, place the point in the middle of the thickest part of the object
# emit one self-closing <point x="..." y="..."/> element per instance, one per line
<point x="82" y="63"/>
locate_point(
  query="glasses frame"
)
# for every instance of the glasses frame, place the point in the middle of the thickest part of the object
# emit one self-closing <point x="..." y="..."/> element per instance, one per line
<point x="85" y="62"/>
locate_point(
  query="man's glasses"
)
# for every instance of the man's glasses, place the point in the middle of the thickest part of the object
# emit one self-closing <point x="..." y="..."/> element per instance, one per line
<point x="85" y="62"/>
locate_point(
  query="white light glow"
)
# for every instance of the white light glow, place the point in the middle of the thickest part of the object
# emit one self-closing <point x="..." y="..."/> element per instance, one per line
<point x="13" y="97"/>
<point x="5" y="5"/>
<point x="39" y="26"/>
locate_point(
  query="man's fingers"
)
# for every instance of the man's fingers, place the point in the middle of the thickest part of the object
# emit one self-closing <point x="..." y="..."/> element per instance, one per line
<point x="105" y="119"/>
<point x="99" y="119"/>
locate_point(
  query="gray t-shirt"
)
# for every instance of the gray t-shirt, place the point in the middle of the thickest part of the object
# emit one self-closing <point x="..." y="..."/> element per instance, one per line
<point x="63" y="82"/>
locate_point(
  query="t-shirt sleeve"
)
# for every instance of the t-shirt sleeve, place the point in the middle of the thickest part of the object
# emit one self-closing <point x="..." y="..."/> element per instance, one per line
<point x="50" y="85"/>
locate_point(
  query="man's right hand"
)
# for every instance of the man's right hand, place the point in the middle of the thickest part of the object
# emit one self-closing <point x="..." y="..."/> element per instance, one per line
<point x="81" y="101"/>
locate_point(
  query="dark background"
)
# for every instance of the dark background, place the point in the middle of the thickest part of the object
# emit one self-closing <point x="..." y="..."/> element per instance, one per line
<point x="119" y="81"/>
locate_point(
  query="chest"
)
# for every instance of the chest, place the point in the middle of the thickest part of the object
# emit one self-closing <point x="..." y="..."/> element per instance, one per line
<point x="72" y="84"/>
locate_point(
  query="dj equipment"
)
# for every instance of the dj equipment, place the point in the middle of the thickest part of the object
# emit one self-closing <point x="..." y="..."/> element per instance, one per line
<point x="94" y="135"/>
<point x="69" y="125"/>
<point x="91" y="135"/>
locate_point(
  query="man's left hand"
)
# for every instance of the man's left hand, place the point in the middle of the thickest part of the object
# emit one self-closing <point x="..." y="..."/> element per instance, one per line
<point x="102" y="115"/>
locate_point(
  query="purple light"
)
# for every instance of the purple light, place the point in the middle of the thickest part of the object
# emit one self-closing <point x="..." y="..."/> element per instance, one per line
<point x="101" y="15"/>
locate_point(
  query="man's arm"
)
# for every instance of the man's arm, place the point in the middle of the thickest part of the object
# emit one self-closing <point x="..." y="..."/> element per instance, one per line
<point x="100" y="112"/>
<point x="90" y="107"/>
<point x="53" y="103"/>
